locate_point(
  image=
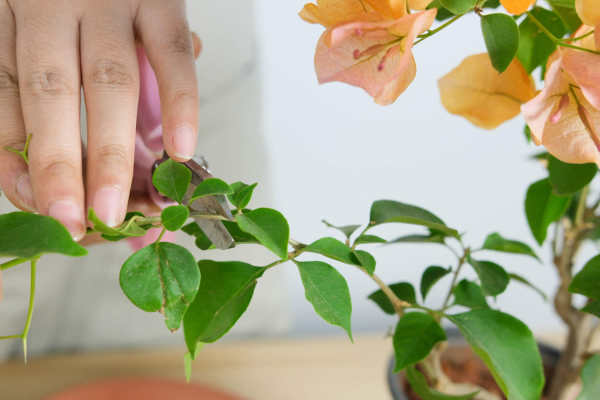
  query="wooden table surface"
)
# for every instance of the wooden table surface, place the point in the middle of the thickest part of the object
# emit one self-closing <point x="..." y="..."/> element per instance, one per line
<point x="330" y="368"/>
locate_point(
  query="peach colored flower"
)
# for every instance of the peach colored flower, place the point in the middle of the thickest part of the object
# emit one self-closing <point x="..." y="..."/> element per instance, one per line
<point x="517" y="7"/>
<point x="589" y="12"/>
<point x="565" y="116"/>
<point x="376" y="56"/>
<point x="334" y="12"/>
<point x="479" y="93"/>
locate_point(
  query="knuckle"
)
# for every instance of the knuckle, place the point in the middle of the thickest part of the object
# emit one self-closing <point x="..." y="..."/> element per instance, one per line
<point x="112" y="74"/>
<point x="113" y="156"/>
<point x="8" y="79"/>
<point x="184" y="96"/>
<point x="57" y="168"/>
<point x="48" y="82"/>
<point x="180" y="41"/>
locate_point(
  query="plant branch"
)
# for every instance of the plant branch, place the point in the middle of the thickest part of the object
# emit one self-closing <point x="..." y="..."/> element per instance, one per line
<point x="13" y="263"/>
<point x="556" y="40"/>
<point x="439" y="28"/>
<point x="461" y="262"/>
<point x="30" y="309"/>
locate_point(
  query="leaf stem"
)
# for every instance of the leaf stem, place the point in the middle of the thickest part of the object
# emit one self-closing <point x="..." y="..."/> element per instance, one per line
<point x="18" y="336"/>
<point x="13" y="263"/>
<point x="439" y="28"/>
<point x="23" y="153"/>
<point x="461" y="262"/>
<point x="162" y="233"/>
<point x="556" y="40"/>
<point x="30" y="309"/>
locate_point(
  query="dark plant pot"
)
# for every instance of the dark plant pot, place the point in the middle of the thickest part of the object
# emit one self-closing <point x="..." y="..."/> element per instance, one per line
<point x="456" y="342"/>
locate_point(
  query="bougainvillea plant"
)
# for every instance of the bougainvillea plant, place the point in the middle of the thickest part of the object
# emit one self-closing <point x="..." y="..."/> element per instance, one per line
<point x="368" y="43"/>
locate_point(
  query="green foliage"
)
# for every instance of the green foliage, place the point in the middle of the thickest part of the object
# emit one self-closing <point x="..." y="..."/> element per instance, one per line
<point x="211" y="187"/>
<point x="336" y="250"/>
<point x="568" y="179"/>
<point x="415" y="336"/>
<point x="161" y="277"/>
<point x="496" y="242"/>
<point x="534" y="45"/>
<point x="589" y="376"/>
<point x="458" y="6"/>
<point x="129" y="228"/>
<point x="565" y="9"/>
<point x="508" y="348"/>
<point x="242" y="194"/>
<point x="587" y="281"/>
<point x="433" y="237"/>
<point x="592" y="307"/>
<point x="431" y="276"/>
<point x="202" y="241"/>
<point x="172" y="179"/>
<point x="369" y="239"/>
<point x="494" y="279"/>
<point x="366" y="260"/>
<point x="389" y="211"/>
<point x="27" y="235"/>
<point x="469" y="294"/>
<point x="501" y="35"/>
<point x="520" y="279"/>
<point x="327" y="290"/>
<point x="174" y="217"/>
<point x="347" y="230"/>
<point x="269" y="227"/>
<point x="404" y="290"/>
<point x="420" y="386"/>
<point x="224" y="295"/>
<point x="543" y="207"/>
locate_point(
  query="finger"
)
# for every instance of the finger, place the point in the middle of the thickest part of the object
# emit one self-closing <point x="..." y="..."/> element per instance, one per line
<point x="48" y="69"/>
<point x="111" y="86"/>
<point x="14" y="176"/>
<point x="164" y="32"/>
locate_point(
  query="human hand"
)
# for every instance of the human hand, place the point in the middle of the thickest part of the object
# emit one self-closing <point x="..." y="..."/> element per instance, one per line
<point x="50" y="50"/>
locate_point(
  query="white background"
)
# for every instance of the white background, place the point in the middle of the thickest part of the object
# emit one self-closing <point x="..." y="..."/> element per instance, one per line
<point x="333" y="151"/>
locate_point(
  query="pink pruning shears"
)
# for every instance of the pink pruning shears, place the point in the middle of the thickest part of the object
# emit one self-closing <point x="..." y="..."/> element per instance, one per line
<point x="149" y="152"/>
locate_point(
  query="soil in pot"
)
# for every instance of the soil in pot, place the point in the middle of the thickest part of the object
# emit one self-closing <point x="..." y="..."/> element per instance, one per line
<point x="462" y="365"/>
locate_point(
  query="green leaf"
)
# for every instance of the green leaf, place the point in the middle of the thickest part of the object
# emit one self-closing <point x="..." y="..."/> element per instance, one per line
<point x="334" y="249"/>
<point x="433" y="237"/>
<point x="496" y="242"/>
<point x="442" y="12"/>
<point x="543" y="208"/>
<point x="347" y="230"/>
<point x="525" y="282"/>
<point x="388" y="211"/>
<point x="458" y="6"/>
<point x="589" y="376"/>
<point x="366" y="260"/>
<point x="567" y="13"/>
<point x="501" y="35"/>
<point x="415" y="336"/>
<point x="269" y="227"/>
<point x="202" y="241"/>
<point x="419" y="385"/>
<point x="224" y="295"/>
<point x="587" y="281"/>
<point x="404" y="290"/>
<point x="27" y="235"/>
<point x="508" y="348"/>
<point x="593" y="307"/>
<point x="161" y="277"/>
<point x="494" y="278"/>
<point x="129" y="228"/>
<point x="174" y="217"/>
<point x="327" y="290"/>
<point x="211" y="187"/>
<point x="238" y="235"/>
<point x="431" y="276"/>
<point x="534" y="45"/>
<point x="172" y="179"/>
<point x="469" y="294"/>
<point x="242" y="193"/>
<point x="368" y="239"/>
<point x="570" y="178"/>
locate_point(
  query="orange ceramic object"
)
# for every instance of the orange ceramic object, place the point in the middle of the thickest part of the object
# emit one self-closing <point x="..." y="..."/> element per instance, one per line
<point x="143" y="389"/>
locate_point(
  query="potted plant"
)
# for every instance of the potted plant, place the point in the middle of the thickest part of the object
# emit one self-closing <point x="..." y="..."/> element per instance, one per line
<point x="368" y="43"/>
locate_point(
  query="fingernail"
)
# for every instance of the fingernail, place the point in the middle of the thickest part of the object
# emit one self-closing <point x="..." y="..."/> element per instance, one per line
<point x="184" y="142"/>
<point x="70" y="215"/>
<point x="25" y="192"/>
<point x="108" y="205"/>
